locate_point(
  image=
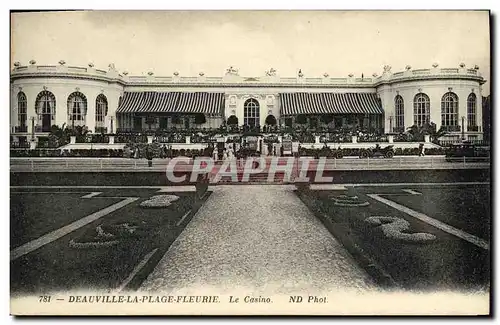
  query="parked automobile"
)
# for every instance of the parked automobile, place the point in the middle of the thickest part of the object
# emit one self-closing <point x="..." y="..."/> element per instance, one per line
<point x="377" y="152"/>
<point x="469" y="150"/>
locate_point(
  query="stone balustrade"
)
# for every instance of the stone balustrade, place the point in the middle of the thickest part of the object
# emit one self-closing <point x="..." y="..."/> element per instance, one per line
<point x="112" y="74"/>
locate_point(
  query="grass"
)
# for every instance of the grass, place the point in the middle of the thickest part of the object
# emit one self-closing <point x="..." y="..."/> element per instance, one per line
<point x="463" y="208"/>
<point x="445" y="263"/>
<point x="33" y="215"/>
<point x="57" y="266"/>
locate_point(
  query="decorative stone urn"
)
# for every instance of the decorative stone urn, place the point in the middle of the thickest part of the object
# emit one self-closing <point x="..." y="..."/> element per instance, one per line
<point x="72" y="139"/>
<point x="354" y="139"/>
<point x="111" y="139"/>
<point x="390" y="137"/>
<point x="150" y="139"/>
<point x="427" y="138"/>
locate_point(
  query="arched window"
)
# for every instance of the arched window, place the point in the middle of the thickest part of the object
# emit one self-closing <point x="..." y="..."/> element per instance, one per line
<point x="421" y="109"/>
<point x="251" y="112"/>
<point x="471" y="111"/>
<point x="101" y="110"/>
<point x="77" y="109"/>
<point x="45" y="108"/>
<point x="22" y="111"/>
<point x="400" y="113"/>
<point x="449" y="111"/>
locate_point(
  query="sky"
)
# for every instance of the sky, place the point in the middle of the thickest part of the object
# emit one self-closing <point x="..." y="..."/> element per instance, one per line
<point x="189" y="42"/>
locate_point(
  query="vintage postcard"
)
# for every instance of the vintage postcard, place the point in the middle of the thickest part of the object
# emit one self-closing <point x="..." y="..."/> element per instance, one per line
<point x="250" y="163"/>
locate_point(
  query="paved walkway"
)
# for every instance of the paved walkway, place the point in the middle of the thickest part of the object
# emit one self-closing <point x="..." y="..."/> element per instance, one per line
<point x="260" y="239"/>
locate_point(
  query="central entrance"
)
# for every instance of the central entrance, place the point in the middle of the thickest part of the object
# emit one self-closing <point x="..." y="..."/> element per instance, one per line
<point x="251" y="113"/>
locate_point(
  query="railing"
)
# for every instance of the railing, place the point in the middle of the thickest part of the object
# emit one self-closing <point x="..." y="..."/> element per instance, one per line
<point x="101" y="129"/>
<point x="373" y="138"/>
<point x="97" y="138"/>
<point x="472" y="128"/>
<point x="21" y="129"/>
<point x="447" y="143"/>
<point x="452" y="128"/>
<point x="484" y="143"/>
<point x="421" y="71"/>
<point x="47" y="68"/>
<point x="338" y="80"/>
<point x="40" y="129"/>
<point x="398" y="130"/>
<point x="214" y="79"/>
<point x="20" y="145"/>
<point x="241" y="79"/>
<point x="313" y="80"/>
<point x="188" y="79"/>
<point x="77" y="69"/>
<point x="160" y="165"/>
<point x="163" y="79"/>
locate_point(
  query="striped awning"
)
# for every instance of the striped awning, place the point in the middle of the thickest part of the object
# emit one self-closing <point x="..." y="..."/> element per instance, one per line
<point x="148" y="102"/>
<point x="200" y="102"/>
<point x="172" y="102"/>
<point x="163" y="102"/>
<point x="330" y="103"/>
<point x="129" y="102"/>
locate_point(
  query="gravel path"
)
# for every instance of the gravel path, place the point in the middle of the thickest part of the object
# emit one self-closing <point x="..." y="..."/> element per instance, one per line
<point x="261" y="239"/>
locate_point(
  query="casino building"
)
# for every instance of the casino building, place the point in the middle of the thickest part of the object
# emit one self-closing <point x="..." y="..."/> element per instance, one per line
<point x="109" y="101"/>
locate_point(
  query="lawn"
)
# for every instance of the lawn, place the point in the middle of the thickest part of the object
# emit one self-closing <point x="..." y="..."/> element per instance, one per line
<point x="464" y="208"/>
<point x="446" y="262"/>
<point x="61" y="265"/>
<point x="33" y="215"/>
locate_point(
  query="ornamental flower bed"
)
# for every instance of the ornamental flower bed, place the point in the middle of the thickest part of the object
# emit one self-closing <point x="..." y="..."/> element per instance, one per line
<point x="159" y="201"/>
<point x="396" y="228"/>
<point x="349" y="201"/>
<point x="104" y="236"/>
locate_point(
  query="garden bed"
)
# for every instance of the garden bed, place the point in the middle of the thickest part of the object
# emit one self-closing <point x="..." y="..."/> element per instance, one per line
<point x="398" y="250"/>
<point x="102" y="254"/>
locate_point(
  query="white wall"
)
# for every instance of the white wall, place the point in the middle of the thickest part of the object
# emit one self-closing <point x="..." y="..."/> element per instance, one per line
<point x="62" y="88"/>
<point x="435" y="89"/>
<point x="268" y="97"/>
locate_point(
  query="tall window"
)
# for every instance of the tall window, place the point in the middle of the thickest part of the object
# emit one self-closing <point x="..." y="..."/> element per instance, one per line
<point x="45" y="108"/>
<point x="471" y="110"/>
<point x="22" y="111"/>
<point x="101" y="110"/>
<point x="77" y="109"/>
<point x="251" y="112"/>
<point x="449" y="110"/>
<point x="421" y="109"/>
<point x="400" y="113"/>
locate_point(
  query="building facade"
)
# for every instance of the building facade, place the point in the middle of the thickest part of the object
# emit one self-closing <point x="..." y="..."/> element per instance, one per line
<point x="107" y="101"/>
